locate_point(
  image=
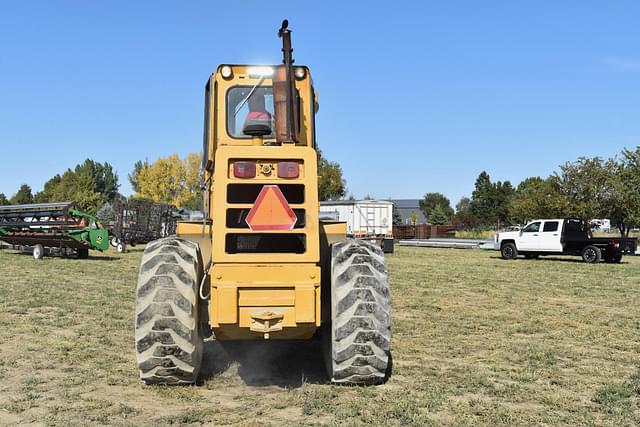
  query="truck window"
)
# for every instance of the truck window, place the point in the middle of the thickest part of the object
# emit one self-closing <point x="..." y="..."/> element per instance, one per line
<point x="550" y="226"/>
<point x="534" y="227"/>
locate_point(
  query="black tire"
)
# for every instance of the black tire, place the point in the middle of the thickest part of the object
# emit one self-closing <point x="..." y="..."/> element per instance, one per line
<point x="591" y="254"/>
<point x="168" y="343"/>
<point x="509" y="251"/>
<point x="83" y="253"/>
<point x="359" y="336"/>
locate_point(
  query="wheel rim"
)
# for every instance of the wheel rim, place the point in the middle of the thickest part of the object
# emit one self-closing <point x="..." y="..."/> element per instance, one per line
<point x="507" y="252"/>
<point x="590" y="255"/>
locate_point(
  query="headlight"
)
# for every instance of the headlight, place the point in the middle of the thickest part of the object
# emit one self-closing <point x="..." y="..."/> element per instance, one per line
<point x="260" y="71"/>
<point x="226" y="71"/>
<point x="299" y="72"/>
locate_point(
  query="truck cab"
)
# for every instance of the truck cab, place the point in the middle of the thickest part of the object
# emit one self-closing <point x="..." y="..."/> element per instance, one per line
<point x="569" y="236"/>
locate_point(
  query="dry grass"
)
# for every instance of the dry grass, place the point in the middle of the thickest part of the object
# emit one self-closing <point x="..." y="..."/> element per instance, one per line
<point x="477" y="340"/>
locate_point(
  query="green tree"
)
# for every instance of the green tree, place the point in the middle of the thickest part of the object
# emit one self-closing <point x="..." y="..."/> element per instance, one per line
<point x="490" y="201"/>
<point x="538" y="198"/>
<point x="482" y="198"/>
<point x="90" y="184"/>
<point x="440" y="215"/>
<point x="23" y="196"/>
<point x="3" y="200"/>
<point x="588" y="184"/>
<point x="137" y="169"/>
<point x="437" y="208"/>
<point x="464" y="217"/>
<point x="625" y="211"/>
<point x="503" y="193"/>
<point x="331" y="184"/>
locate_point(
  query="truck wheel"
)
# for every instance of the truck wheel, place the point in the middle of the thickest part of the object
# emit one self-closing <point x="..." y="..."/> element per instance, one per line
<point x="509" y="251"/>
<point x="168" y="343"/>
<point x="591" y="254"/>
<point x="360" y="332"/>
<point x="38" y="251"/>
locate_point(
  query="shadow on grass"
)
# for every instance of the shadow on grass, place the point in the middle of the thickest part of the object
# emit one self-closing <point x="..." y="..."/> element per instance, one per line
<point x="543" y="258"/>
<point x="576" y="260"/>
<point x="287" y="364"/>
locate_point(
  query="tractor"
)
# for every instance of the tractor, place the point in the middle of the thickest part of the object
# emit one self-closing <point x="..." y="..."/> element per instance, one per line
<point x="261" y="265"/>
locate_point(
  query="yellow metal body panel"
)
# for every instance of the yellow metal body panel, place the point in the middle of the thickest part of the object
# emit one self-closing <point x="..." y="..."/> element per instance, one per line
<point x="261" y="295"/>
<point x="218" y="203"/>
<point x="333" y="231"/>
<point x="197" y="232"/>
<point x="242" y="294"/>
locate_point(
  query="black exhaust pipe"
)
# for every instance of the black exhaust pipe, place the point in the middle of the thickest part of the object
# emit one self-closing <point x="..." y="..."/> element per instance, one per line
<point x="286" y="112"/>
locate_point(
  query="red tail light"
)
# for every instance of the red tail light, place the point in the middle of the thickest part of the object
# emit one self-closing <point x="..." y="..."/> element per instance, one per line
<point x="244" y="169"/>
<point x="288" y="170"/>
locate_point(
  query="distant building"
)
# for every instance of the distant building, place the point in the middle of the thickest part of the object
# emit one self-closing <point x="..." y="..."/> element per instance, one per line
<point x="405" y="207"/>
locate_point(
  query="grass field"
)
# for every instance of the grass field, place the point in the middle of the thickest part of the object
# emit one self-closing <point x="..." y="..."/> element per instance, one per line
<point x="477" y="340"/>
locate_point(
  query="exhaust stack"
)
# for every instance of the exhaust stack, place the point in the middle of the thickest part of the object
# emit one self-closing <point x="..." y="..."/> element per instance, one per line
<point x="284" y="92"/>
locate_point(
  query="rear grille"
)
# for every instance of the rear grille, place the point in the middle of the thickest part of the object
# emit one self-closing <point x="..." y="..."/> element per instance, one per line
<point x="248" y="193"/>
<point x="256" y="242"/>
<point x="265" y="243"/>
<point x="236" y="218"/>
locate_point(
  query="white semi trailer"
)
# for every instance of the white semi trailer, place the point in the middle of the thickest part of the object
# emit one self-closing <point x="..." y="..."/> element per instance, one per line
<point x="366" y="219"/>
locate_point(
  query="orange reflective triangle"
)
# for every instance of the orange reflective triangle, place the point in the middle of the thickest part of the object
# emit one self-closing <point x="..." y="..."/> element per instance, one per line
<point x="271" y="211"/>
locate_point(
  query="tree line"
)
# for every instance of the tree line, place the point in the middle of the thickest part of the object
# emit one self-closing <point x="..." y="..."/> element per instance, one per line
<point x="587" y="188"/>
<point x="170" y="180"/>
<point x="90" y="184"/>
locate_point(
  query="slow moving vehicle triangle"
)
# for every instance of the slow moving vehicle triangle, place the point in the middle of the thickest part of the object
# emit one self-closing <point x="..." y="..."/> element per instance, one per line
<point x="271" y="211"/>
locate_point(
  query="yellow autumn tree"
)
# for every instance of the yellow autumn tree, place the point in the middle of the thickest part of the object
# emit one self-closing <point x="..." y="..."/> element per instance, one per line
<point x="169" y="180"/>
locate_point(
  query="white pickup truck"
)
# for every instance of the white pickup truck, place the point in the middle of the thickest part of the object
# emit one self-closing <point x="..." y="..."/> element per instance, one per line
<point x="568" y="236"/>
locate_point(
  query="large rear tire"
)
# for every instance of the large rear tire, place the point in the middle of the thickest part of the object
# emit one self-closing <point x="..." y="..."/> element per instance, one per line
<point x="360" y="332"/>
<point x="168" y="343"/>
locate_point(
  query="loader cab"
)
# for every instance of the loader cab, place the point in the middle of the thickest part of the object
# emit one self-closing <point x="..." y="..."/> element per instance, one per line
<point x="239" y="108"/>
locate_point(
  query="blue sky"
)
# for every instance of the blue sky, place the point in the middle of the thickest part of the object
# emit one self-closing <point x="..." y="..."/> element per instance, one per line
<point x="415" y="96"/>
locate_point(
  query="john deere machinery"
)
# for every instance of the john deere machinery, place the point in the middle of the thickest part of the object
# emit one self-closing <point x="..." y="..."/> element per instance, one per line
<point x="56" y="227"/>
<point x="262" y="266"/>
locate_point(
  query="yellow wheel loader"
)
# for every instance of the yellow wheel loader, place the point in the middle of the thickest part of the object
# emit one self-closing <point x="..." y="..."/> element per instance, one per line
<point x="262" y="265"/>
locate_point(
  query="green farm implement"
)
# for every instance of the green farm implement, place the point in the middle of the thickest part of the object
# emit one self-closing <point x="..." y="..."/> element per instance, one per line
<point x="59" y="228"/>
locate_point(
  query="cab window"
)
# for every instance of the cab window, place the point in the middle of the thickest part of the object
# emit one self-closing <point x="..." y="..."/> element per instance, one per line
<point x="534" y="227"/>
<point x="250" y="112"/>
<point x="550" y="226"/>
